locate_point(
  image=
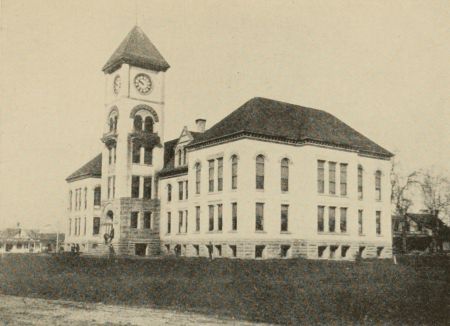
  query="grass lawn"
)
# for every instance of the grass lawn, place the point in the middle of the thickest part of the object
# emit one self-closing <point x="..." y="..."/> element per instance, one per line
<point x="416" y="291"/>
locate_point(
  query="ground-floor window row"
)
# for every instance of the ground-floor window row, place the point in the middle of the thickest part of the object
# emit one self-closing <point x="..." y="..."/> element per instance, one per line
<point x="76" y="227"/>
<point x="287" y="250"/>
<point x="216" y="219"/>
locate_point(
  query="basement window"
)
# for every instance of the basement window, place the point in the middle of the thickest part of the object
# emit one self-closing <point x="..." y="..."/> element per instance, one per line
<point x="259" y="251"/>
<point x="219" y="250"/>
<point x="168" y="248"/>
<point x="233" y="251"/>
<point x="379" y="251"/>
<point x="333" y="251"/>
<point x="285" y="250"/>
<point x="321" y="250"/>
<point x="344" y="250"/>
<point x="361" y="251"/>
<point x="197" y="250"/>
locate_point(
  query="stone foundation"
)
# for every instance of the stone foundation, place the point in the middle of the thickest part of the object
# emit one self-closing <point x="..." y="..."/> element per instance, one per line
<point x="251" y="249"/>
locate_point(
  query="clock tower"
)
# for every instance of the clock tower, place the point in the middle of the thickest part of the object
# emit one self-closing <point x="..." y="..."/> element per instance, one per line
<point x="133" y="152"/>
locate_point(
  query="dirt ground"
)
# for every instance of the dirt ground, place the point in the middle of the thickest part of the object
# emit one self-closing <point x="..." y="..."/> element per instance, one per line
<point x="30" y="311"/>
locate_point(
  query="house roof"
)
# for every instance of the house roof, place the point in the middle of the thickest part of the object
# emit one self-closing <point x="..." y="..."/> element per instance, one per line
<point x="92" y="169"/>
<point x="18" y="234"/>
<point x="262" y="117"/>
<point x="137" y="50"/>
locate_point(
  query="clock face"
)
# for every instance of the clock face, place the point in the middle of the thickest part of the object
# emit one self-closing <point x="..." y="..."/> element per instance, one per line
<point x="143" y="83"/>
<point x="117" y="84"/>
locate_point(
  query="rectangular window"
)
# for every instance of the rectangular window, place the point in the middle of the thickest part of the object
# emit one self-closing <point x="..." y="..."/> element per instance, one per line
<point x="211" y="175"/>
<point x="260" y="172"/>
<point x="320" y="218"/>
<point x="169" y="192"/>
<point x="135" y="186"/>
<point x="180" y="190"/>
<point x="84" y="230"/>
<point x="332" y="219"/>
<point x="169" y="222"/>
<point x="332" y="178"/>
<point x="97" y="196"/>
<point x="360" y="222"/>
<point x="378" y="185"/>
<point x="197" y="178"/>
<point x="134" y="220"/>
<point x="211" y="217"/>
<point x="148" y="155"/>
<point x="70" y="226"/>
<point x="259" y="225"/>
<point x="343" y="219"/>
<point x="187" y="191"/>
<point x="147" y="187"/>
<point x="95" y="226"/>
<point x="136" y="154"/>
<point x="219" y="217"/>
<point x="114" y="154"/>
<point x="113" y="186"/>
<point x="197" y="218"/>
<point x="233" y="216"/>
<point x="284" y="218"/>
<point x="233" y="250"/>
<point x="343" y="179"/>
<point x="378" y="222"/>
<point x="185" y="221"/>
<point x="147" y="220"/>
<point x="220" y="174"/>
<point x="180" y="221"/>
<point x="85" y="198"/>
<point x="321" y="177"/>
<point x="109" y="156"/>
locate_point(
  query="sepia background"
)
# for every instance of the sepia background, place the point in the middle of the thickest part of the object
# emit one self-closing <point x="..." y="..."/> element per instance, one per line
<point x="380" y="66"/>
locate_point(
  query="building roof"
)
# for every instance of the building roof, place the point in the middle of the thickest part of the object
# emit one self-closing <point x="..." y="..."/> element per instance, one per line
<point x="137" y="50"/>
<point x="169" y="157"/>
<point x="18" y="234"/>
<point x="262" y="117"/>
<point x="92" y="169"/>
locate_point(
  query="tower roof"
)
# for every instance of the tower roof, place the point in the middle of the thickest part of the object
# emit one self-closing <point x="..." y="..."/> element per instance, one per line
<point x="137" y="50"/>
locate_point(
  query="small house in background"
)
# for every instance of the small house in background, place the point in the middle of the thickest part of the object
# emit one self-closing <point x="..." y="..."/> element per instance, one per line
<point x="51" y="241"/>
<point x="419" y="231"/>
<point x="19" y="240"/>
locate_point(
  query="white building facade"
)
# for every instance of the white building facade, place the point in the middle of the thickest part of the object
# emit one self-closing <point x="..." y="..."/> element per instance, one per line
<point x="271" y="180"/>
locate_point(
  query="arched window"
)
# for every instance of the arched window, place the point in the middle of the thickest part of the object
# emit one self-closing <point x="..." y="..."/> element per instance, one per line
<point x="360" y="182"/>
<point x="148" y="124"/>
<point x="111" y="124"/>
<point x="198" y="170"/>
<point x="136" y="157"/>
<point x="234" y="175"/>
<point x="260" y="172"/>
<point x="285" y="174"/>
<point x="137" y="122"/>
<point x="115" y="123"/>
<point x="184" y="156"/>
<point x="179" y="157"/>
<point x="378" y="185"/>
<point x="169" y="192"/>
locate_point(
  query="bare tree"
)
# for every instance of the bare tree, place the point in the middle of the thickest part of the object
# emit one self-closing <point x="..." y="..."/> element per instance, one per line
<point x="399" y="198"/>
<point x="436" y="198"/>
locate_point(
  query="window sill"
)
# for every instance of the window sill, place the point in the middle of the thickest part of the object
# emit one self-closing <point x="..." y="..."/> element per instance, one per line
<point x="333" y="233"/>
<point x="285" y="232"/>
<point x="259" y="190"/>
<point x="260" y="231"/>
<point x="214" y="232"/>
<point x="232" y="231"/>
<point x="181" y="233"/>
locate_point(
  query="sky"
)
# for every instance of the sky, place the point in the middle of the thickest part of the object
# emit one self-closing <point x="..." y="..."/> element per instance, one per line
<point x="383" y="67"/>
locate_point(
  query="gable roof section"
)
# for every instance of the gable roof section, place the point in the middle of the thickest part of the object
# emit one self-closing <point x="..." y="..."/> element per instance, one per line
<point x="169" y="157"/>
<point x="92" y="169"/>
<point x="137" y="50"/>
<point x="291" y="123"/>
